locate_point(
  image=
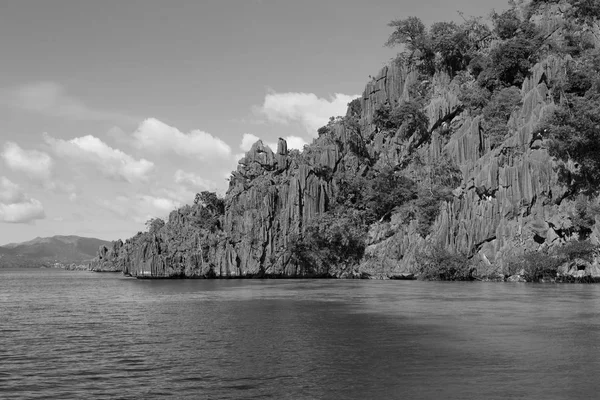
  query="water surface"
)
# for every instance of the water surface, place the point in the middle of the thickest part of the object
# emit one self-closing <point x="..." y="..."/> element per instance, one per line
<point x="72" y="335"/>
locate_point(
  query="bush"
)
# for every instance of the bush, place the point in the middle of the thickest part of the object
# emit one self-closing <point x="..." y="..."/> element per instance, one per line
<point x="534" y="266"/>
<point x="574" y="133"/>
<point x="511" y="61"/>
<point x="154" y="225"/>
<point x="506" y="24"/>
<point x="584" y="216"/>
<point x="582" y="249"/>
<point x="439" y="264"/>
<point x="332" y="239"/>
<point x="354" y="108"/>
<point x="497" y="113"/>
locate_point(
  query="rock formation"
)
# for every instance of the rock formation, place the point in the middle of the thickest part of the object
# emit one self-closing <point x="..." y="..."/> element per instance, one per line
<point x="508" y="199"/>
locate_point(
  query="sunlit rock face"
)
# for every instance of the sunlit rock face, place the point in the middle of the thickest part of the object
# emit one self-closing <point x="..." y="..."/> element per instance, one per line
<point x="509" y="199"/>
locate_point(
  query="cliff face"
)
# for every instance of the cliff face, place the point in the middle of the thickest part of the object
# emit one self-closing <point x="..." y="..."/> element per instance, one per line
<point x="507" y="200"/>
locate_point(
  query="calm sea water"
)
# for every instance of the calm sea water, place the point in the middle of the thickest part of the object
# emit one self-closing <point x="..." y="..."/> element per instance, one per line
<point x="76" y="335"/>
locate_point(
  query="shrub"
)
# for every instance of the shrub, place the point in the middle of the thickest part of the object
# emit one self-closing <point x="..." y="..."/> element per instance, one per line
<point x="354" y="108"/>
<point x="577" y="249"/>
<point x="497" y="113"/>
<point x="506" y="24"/>
<point x="534" y="266"/>
<point x="511" y="61"/>
<point x="584" y="216"/>
<point x="154" y="225"/>
<point x="451" y="42"/>
<point x="331" y="239"/>
<point x="439" y="264"/>
<point x="574" y="132"/>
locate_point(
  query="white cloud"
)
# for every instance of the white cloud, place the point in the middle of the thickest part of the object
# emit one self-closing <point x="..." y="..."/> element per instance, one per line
<point x="156" y="136"/>
<point x="295" y="142"/>
<point x="140" y="208"/>
<point x="51" y="99"/>
<point x="113" y="163"/>
<point x="248" y="139"/>
<point x="306" y="108"/>
<point x="193" y="181"/>
<point x="15" y="206"/>
<point x="35" y="164"/>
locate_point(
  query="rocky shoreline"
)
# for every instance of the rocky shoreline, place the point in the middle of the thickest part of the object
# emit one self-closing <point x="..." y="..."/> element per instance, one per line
<point x="446" y="173"/>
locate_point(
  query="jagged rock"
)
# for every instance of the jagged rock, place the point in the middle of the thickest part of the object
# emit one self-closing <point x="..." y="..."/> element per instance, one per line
<point x="516" y="278"/>
<point x="509" y="200"/>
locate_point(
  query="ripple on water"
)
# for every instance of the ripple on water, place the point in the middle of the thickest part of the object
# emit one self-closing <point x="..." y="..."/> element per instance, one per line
<point x="72" y="335"/>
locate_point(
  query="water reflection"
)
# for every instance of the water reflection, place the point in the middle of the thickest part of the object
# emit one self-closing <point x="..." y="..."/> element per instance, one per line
<point x="74" y="335"/>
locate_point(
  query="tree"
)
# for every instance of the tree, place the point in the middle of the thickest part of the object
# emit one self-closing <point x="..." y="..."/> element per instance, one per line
<point x="154" y="225"/>
<point x="211" y="201"/>
<point x="574" y="133"/>
<point x="409" y="32"/>
<point x="497" y="113"/>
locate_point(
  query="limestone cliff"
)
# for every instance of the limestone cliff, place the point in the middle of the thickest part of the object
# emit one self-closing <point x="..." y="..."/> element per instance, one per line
<point x="507" y="197"/>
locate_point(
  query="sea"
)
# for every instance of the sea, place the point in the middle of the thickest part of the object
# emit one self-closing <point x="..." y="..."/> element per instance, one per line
<point x="84" y="335"/>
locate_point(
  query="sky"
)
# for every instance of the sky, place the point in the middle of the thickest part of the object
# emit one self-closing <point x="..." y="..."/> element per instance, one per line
<point x="115" y="112"/>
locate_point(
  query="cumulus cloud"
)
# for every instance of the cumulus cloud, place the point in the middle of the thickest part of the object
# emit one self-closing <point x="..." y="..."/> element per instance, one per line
<point x="140" y="208"/>
<point x="15" y="206"/>
<point x="248" y="140"/>
<point x="193" y="181"/>
<point x="35" y="164"/>
<point x="306" y="108"/>
<point x="51" y="99"/>
<point x="113" y="163"/>
<point x="158" y="137"/>
<point x="293" y="142"/>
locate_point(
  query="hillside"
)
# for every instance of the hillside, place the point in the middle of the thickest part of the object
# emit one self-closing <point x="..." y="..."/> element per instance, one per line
<point x="47" y="251"/>
<point x="472" y="155"/>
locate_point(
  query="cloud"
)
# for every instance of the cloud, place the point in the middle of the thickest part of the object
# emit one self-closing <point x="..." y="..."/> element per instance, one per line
<point x="193" y="181"/>
<point x="158" y="137"/>
<point x="248" y="139"/>
<point x="295" y="142"/>
<point x="306" y="108"/>
<point x="35" y="164"/>
<point x="140" y="208"/>
<point x="15" y="206"/>
<point x="51" y="99"/>
<point x="113" y="163"/>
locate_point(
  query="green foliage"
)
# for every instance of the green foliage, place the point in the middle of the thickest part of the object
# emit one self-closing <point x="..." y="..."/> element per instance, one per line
<point x="584" y="216"/>
<point x="154" y="225"/>
<point x="409" y="32"/>
<point x="497" y="113"/>
<point x="452" y="44"/>
<point x="324" y="130"/>
<point x="543" y="265"/>
<point x="471" y="95"/>
<point x="439" y="264"/>
<point x="535" y="266"/>
<point x="509" y="63"/>
<point x="574" y="132"/>
<point x="584" y="11"/>
<point x="332" y="239"/>
<point x="506" y="24"/>
<point x="211" y="201"/>
<point x="582" y="249"/>
<point x="354" y="108"/>
<point x="207" y="211"/>
<point x="386" y="191"/>
<point x="408" y="115"/>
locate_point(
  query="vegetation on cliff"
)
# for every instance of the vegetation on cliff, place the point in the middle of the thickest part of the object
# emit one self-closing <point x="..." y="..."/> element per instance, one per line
<point x="473" y="155"/>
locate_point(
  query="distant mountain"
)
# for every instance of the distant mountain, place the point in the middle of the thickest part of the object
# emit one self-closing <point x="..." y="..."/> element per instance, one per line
<point x="48" y="251"/>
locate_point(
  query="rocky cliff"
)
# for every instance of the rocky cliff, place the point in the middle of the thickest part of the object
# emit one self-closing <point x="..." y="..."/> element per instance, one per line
<point x="493" y="197"/>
